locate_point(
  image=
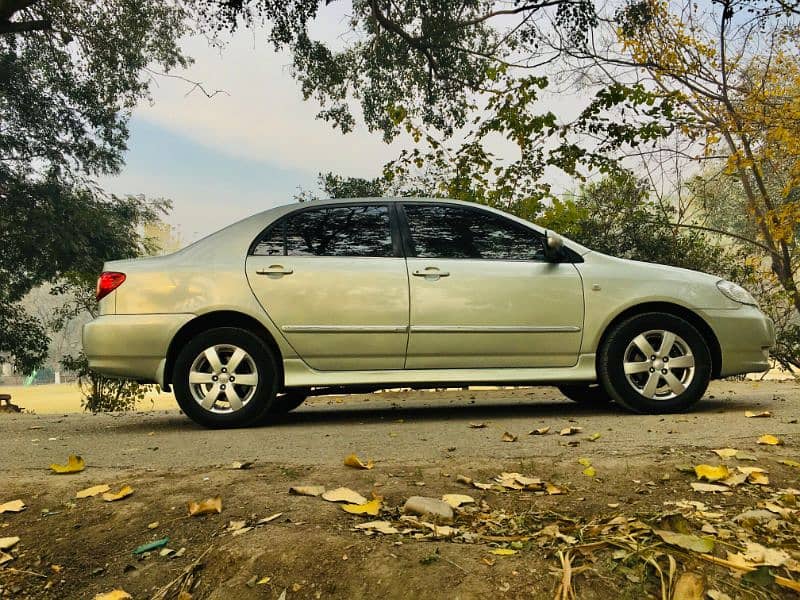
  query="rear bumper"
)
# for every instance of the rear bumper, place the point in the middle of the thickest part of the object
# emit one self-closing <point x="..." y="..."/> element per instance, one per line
<point x="745" y="336"/>
<point x="131" y="346"/>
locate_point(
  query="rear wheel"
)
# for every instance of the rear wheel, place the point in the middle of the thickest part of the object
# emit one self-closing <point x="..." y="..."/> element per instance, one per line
<point x="287" y="402"/>
<point x="655" y="363"/>
<point x="225" y="377"/>
<point x="592" y="393"/>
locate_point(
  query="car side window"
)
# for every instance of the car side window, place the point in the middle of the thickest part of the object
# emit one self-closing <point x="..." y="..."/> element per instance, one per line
<point x="446" y="231"/>
<point x="360" y="231"/>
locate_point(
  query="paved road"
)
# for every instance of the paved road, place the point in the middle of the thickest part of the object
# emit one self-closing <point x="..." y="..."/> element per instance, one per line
<point x="402" y="427"/>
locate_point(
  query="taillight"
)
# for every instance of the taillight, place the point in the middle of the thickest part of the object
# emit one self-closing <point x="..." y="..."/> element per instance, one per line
<point x="108" y="282"/>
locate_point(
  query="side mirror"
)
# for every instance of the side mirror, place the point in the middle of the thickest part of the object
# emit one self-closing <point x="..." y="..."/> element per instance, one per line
<point x="553" y="246"/>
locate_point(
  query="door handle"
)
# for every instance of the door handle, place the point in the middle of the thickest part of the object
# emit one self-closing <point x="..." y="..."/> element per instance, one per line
<point x="432" y="272"/>
<point x="274" y="270"/>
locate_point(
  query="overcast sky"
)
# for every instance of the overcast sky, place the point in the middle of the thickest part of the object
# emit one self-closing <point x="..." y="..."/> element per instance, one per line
<point x="242" y="151"/>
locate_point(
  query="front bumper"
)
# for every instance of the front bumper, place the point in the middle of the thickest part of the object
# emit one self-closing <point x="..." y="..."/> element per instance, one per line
<point x="131" y="346"/>
<point x="745" y="336"/>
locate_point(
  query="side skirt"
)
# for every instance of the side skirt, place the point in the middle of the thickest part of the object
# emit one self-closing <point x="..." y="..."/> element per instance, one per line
<point x="299" y="374"/>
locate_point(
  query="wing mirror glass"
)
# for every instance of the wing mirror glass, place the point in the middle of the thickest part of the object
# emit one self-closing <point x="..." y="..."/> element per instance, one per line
<point x="553" y="246"/>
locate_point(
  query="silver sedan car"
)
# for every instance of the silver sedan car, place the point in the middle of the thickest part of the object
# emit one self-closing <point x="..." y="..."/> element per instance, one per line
<point x="363" y="294"/>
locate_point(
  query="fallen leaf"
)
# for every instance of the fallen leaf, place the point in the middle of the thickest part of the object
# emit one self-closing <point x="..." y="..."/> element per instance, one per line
<point x="570" y="430"/>
<point x="384" y="527"/>
<point x="351" y="460"/>
<point x="477" y="425"/>
<point x="123" y="492"/>
<point x="540" y="431"/>
<point x="482" y="486"/>
<point x="268" y="519"/>
<point x="151" y="546"/>
<point x="344" y="494"/>
<point x="708" y="487"/>
<point x="686" y="541"/>
<point x="757" y="415"/>
<point x="509" y="437"/>
<point x="14" y="506"/>
<point x="758" y="478"/>
<point x="236" y="465"/>
<point x="456" y="500"/>
<point x="503" y="551"/>
<point x="93" y="491"/>
<point x="735" y="479"/>
<point x="690" y="586"/>
<point x="758" y="555"/>
<point x="153" y="525"/>
<point x="4" y="558"/>
<point x="553" y="490"/>
<point x="717" y="595"/>
<point x="590" y="471"/>
<point x="788" y="462"/>
<point x="307" y="490"/>
<point x="206" y="507"/>
<point x="118" y="594"/>
<point x="585" y="462"/>
<point x="75" y="464"/>
<point x="372" y="508"/>
<point x="263" y="581"/>
<point x="594" y="437"/>
<point x="769" y="440"/>
<point x="725" y="452"/>
<point x="8" y="542"/>
<point x="711" y="473"/>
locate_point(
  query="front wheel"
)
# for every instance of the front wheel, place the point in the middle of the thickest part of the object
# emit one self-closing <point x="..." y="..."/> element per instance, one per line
<point x="225" y="377"/>
<point x="655" y="363"/>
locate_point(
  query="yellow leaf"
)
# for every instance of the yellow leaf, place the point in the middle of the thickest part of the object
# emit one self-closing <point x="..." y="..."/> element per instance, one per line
<point x="509" y="437"/>
<point x="585" y="462"/>
<point x="92" y="491"/>
<point x="594" y="437"/>
<point x="540" y="431"/>
<point x="117" y="594"/>
<point x="769" y="440"/>
<point x="206" y="507"/>
<point x="456" y="500"/>
<point x="351" y="460"/>
<point x="757" y="415"/>
<point x="13" y="506"/>
<point x="788" y="462"/>
<point x="503" y="551"/>
<point x="710" y="473"/>
<point x="306" y="490"/>
<point x="372" y="508"/>
<point x="725" y="452"/>
<point x="123" y="492"/>
<point x="686" y="541"/>
<point x="570" y="430"/>
<point x="75" y="464"/>
<point x="263" y="581"/>
<point x="690" y="586"/>
<point x="343" y="494"/>
<point x="590" y="472"/>
<point x="8" y="542"/>
<point x="758" y="478"/>
<point x="553" y="490"/>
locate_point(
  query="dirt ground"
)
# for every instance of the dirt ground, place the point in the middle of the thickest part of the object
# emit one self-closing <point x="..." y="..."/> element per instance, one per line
<point x="592" y="520"/>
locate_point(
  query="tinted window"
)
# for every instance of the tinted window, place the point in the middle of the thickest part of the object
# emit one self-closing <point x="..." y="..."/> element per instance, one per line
<point x="333" y="231"/>
<point x="439" y="231"/>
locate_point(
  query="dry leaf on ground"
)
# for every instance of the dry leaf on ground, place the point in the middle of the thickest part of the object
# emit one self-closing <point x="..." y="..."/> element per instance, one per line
<point x="351" y="460"/>
<point x="307" y="490"/>
<point x="14" y="506"/>
<point x="456" y="500"/>
<point x="594" y="437"/>
<point x="384" y="527"/>
<point x="344" y="494"/>
<point x="93" y="491"/>
<point x="118" y="594"/>
<point x="8" y="542"/>
<point x="372" y="508"/>
<point x="477" y="425"/>
<point x="787" y="461"/>
<point x="206" y="507"/>
<point x="509" y="437"/>
<point x="570" y="430"/>
<point x="503" y="551"/>
<point x="590" y="471"/>
<point x="709" y="487"/>
<point x="757" y="415"/>
<point x="539" y="431"/>
<point x="75" y="464"/>
<point x="4" y="558"/>
<point x="711" y="473"/>
<point x="123" y="492"/>
<point x="686" y="541"/>
<point x="690" y="586"/>
<point x="725" y="452"/>
<point x="769" y="440"/>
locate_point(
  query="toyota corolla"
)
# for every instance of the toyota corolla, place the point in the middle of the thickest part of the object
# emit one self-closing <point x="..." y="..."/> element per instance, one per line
<point x="341" y="295"/>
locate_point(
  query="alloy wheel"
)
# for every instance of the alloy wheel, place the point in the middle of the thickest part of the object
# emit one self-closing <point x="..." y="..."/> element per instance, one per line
<point x="659" y="364"/>
<point x="223" y="378"/>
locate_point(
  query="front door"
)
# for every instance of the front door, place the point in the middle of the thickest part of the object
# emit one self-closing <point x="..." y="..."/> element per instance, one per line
<point x="334" y="281"/>
<point x="482" y="294"/>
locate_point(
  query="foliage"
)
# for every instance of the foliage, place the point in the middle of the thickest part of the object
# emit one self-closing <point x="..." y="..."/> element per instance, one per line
<point x="70" y="74"/>
<point x="103" y="394"/>
<point x="616" y="216"/>
<point x="338" y="186"/>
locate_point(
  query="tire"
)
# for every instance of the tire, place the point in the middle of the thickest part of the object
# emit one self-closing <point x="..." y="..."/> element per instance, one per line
<point x="254" y="378"/>
<point x="287" y="402"/>
<point x="655" y="383"/>
<point x="587" y="394"/>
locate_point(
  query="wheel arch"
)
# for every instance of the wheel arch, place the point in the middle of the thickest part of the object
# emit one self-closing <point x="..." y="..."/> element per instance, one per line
<point x="222" y="318"/>
<point x="679" y="311"/>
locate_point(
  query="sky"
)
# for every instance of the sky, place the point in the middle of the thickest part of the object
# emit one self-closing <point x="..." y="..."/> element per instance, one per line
<point x="250" y="147"/>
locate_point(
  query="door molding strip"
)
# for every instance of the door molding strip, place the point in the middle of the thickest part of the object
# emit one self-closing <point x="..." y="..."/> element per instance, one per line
<point x="344" y="328"/>
<point x="494" y="329"/>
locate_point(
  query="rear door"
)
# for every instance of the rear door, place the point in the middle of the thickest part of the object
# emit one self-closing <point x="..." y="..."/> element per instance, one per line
<point x="333" y="279"/>
<point x="482" y="293"/>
